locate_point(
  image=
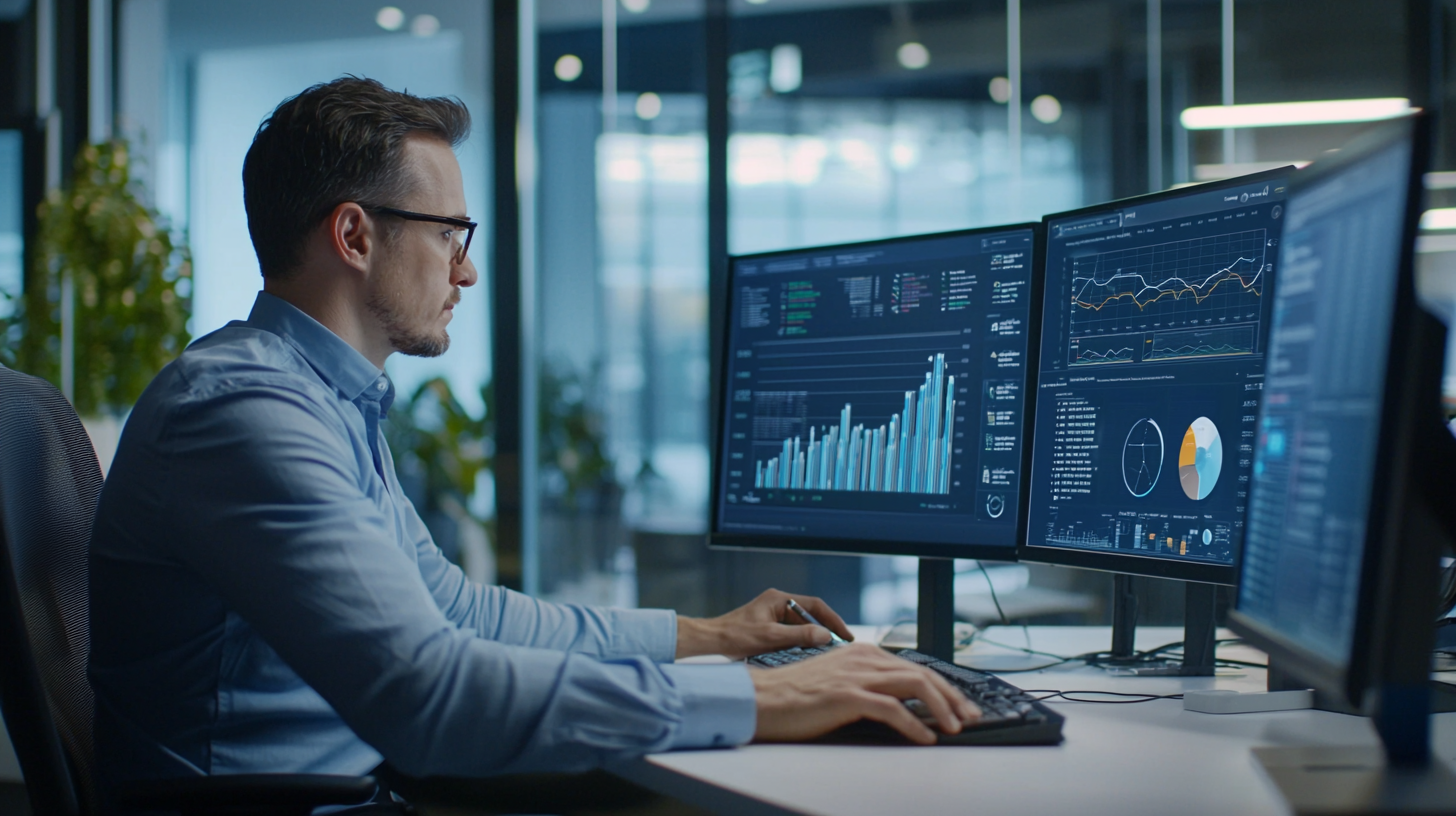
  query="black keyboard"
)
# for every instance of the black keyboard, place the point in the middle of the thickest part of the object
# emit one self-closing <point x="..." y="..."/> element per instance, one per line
<point x="1009" y="716"/>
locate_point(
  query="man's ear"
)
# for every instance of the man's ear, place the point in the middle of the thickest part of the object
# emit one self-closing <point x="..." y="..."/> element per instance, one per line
<point x="352" y="235"/>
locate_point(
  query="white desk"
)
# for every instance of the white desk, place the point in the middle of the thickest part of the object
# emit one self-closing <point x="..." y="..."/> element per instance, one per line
<point x="1120" y="760"/>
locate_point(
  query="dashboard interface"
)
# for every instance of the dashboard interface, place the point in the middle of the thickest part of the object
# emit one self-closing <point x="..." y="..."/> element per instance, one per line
<point x="1153" y="337"/>
<point x="875" y="391"/>
<point x="1318" y="437"/>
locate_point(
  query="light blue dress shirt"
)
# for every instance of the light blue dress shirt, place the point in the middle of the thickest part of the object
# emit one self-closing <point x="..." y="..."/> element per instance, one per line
<point x="265" y="599"/>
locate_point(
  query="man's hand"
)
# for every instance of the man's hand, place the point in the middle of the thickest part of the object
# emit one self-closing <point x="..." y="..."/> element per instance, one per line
<point x="809" y="699"/>
<point x="764" y="624"/>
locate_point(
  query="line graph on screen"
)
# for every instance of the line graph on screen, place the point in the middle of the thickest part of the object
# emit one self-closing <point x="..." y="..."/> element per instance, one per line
<point x="1214" y="281"/>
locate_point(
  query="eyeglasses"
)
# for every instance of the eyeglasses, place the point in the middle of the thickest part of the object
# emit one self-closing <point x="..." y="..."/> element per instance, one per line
<point x="458" y="223"/>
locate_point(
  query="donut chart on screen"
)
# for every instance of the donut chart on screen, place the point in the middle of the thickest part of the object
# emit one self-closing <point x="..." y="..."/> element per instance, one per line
<point x="1200" y="459"/>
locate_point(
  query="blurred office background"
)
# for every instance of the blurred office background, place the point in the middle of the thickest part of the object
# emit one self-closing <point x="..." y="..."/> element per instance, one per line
<point x="621" y="149"/>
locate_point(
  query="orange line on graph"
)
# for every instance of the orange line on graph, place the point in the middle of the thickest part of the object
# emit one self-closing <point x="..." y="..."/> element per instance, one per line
<point x="1175" y="293"/>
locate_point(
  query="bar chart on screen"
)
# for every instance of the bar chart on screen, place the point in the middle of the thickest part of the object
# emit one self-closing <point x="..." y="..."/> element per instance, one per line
<point x="911" y="453"/>
<point x="876" y="391"/>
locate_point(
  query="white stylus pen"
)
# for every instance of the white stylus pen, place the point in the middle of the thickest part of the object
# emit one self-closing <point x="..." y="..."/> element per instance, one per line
<point x="804" y="613"/>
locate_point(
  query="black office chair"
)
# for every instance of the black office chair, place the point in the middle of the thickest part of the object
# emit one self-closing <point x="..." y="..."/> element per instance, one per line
<point x="49" y="485"/>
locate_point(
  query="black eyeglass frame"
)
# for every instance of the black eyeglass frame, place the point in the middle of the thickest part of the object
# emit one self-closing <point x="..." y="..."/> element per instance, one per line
<point x="460" y="223"/>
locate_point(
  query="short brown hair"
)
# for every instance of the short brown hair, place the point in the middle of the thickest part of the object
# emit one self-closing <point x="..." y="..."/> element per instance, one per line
<point x="335" y="142"/>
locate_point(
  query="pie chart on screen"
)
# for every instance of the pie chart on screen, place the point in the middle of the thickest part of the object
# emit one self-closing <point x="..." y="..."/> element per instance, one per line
<point x="1200" y="459"/>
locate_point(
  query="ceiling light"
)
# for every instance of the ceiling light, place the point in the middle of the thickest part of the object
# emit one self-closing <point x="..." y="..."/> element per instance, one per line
<point x="1442" y="219"/>
<point x="903" y="156"/>
<point x="1333" y="111"/>
<point x="1000" y="90"/>
<point x="1046" y="109"/>
<point x="757" y="2"/>
<point x="389" y="18"/>
<point x="785" y="68"/>
<point x="636" y="6"/>
<point x="913" y="55"/>
<point x="649" y="105"/>
<point x="568" y="67"/>
<point x="425" y="25"/>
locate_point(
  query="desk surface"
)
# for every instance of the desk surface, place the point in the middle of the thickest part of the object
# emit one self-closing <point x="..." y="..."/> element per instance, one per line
<point x="1150" y="757"/>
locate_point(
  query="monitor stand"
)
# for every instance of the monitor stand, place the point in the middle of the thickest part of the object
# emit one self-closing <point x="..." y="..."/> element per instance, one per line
<point x="1331" y="779"/>
<point x="935" y="611"/>
<point x="1199" y="622"/>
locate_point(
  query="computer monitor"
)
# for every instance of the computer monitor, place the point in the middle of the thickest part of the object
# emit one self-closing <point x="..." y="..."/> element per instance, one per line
<point x="1349" y="497"/>
<point x="874" y="400"/>
<point x="1153" y="331"/>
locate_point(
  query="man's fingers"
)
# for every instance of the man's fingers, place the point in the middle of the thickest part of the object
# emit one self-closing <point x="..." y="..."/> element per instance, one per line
<point x="939" y="701"/>
<point x="892" y="712"/>
<point x="827" y="617"/>
<point x="807" y="635"/>
<point x="905" y="680"/>
<point x="964" y="708"/>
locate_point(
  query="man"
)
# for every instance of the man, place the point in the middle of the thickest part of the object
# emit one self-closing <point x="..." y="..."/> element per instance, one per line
<point x="263" y="596"/>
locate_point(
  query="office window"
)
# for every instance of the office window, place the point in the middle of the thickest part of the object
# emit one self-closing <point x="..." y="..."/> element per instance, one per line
<point x="12" y="241"/>
<point x="623" y="281"/>
<point x="807" y="171"/>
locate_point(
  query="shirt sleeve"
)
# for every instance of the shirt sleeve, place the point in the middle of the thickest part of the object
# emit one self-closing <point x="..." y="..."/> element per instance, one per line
<point x="502" y="615"/>
<point x="275" y="521"/>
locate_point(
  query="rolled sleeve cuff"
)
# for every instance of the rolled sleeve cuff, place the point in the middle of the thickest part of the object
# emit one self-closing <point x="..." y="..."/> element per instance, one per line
<point x="650" y="633"/>
<point x="719" y="710"/>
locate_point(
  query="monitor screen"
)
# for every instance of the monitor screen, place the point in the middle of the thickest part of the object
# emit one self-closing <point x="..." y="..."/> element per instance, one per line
<point x="1152" y="360"/>
<point x="873" y="394"/>
<point x="1314" y="456"/>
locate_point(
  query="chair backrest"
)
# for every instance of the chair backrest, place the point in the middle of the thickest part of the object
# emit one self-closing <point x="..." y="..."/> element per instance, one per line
<point x="49" y="485"/>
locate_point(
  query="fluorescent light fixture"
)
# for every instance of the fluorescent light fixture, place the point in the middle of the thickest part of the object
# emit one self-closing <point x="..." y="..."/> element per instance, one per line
<point x="1333" y="111"/>
<point x="1445" y="180"/>
<point x="1442" y="219"/>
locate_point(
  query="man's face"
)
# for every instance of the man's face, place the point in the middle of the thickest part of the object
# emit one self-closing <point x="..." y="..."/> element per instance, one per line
<point x="418" y="283"/>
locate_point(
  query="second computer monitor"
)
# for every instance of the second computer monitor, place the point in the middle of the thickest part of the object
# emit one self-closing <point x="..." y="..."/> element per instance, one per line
<point x="874" y="396"/>
<point x="1153" y="332"/>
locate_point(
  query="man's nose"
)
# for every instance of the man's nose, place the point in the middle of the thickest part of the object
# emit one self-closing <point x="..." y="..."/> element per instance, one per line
<point x="464" y="274"/>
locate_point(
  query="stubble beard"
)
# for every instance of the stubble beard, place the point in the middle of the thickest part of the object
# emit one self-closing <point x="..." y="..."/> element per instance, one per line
<point x="405" y="338"/>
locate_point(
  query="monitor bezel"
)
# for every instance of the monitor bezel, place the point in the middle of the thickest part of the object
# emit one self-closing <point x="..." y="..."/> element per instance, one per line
<point x="819" y="545"/>
<point x="1121" y="562"/>
<point x="1401" y="419"/>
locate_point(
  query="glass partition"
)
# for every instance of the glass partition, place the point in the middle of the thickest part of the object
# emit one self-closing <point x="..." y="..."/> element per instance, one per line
<point x="12" y="239"/>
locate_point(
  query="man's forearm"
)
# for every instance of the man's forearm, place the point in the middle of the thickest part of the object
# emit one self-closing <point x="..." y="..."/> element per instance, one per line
<point x="699" y="636"/>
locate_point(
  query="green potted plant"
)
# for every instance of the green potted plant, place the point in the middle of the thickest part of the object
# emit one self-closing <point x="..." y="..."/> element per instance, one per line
<point x="131" y="279"/>
<point x="581" y="536"/>
<point x="440" y="450"/>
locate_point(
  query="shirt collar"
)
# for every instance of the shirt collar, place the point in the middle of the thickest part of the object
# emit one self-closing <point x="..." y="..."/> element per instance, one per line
<point x="338" y="363"/>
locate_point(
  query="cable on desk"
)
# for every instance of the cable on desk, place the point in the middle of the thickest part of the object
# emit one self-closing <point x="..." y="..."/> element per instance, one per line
<point x="1168" y="651"/>
<point x="991" y="586"/>
<point x="1133" y="696"/>
<point x="1057" y="660"/>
